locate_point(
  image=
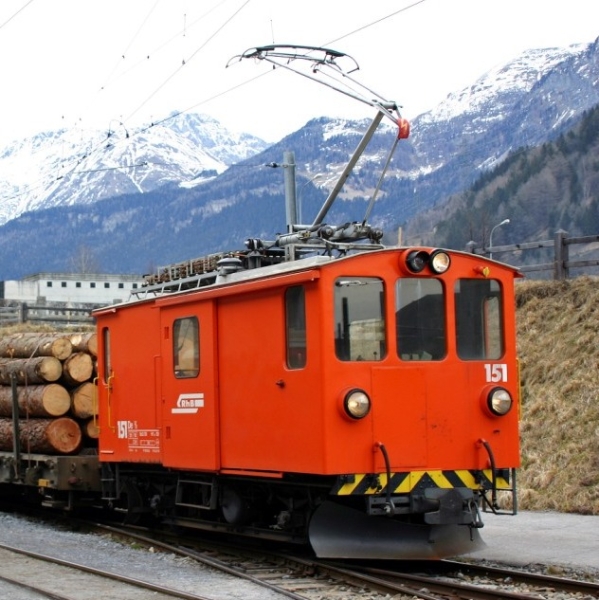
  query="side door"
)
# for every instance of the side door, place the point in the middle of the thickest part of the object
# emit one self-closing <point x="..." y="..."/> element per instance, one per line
<point x="189" y="386"/>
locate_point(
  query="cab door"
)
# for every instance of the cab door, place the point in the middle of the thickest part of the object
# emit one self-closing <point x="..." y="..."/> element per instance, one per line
<point x="189" y="391"/>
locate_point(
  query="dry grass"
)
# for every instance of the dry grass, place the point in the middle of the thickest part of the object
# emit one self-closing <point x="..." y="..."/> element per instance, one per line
<point x="43" y="328"/>
<point x="558" y="344"/>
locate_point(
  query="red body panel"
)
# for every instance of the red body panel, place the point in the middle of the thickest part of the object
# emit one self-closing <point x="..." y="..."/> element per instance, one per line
<point x="271" y="416"/>
<point x="258" y="415"/>
<point x="128" y="387"/>
<point x="190" y="407"/>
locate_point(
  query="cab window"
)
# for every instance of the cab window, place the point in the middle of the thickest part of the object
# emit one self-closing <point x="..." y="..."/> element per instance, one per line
<point x="186" y="347"/>
<point x="359" y="319"/>
<point x="107" y="354"/>
<point x="295" y="326"/>
<point x="479" y="318"/>
<point x="420" y="319"/>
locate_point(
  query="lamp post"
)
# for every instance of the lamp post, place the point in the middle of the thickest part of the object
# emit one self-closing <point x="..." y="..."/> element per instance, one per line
<point x="504" y="222"/>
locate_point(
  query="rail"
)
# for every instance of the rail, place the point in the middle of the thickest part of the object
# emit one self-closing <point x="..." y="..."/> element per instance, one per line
<point x="561" y="265"/>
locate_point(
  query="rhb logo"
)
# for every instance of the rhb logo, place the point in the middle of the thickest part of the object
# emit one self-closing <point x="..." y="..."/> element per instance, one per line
<point x="188" y="404"/>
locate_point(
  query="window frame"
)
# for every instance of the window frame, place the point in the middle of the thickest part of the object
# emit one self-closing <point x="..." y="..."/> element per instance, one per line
<point x="431" y="347"/>
<point x="296" y="345"/>
<point x="177" y="347"/>
<point x="369" y="340"/>
<point x="480" y="330"/>
<point x="107" y="354"/>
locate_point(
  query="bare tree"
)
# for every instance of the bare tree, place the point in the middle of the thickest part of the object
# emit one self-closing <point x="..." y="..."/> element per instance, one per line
<point x="83" y="260"/>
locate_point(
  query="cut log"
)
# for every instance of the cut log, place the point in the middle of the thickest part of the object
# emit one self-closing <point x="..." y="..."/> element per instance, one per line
<point x="40" y="369"/>
<point x="84" y="401"/>
<point x="50" y="400"/>
<point x="46" y="436"/>
<point x="26" y="345"/>
<point x="85" y="342"/>
<point x="91" y="429"/>
<point x="77" y="368"/>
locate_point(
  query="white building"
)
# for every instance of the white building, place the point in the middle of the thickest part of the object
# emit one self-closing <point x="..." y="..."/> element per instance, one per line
<point x="70" y="288"/>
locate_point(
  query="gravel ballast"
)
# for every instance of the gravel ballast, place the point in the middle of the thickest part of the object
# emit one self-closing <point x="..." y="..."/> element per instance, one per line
<point x="103" y="552"/>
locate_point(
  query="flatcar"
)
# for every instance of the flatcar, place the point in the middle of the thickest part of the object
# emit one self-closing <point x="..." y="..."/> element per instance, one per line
<point x="318" y="388"/>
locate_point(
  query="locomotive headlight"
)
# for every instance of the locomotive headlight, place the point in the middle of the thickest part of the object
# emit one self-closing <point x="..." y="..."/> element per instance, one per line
<point x="499" y="401"/>
<point x="356" y="404"/>
<point x="417" y="260"/>
<point x="440" y="261"/>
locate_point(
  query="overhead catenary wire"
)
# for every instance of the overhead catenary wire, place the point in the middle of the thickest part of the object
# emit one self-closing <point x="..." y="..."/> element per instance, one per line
<point x="125" y="52"/>
<point x="77" y="163"/>
<point x="148" y="55"/>
<point x="189" y="59"/>
<point x="237" y="86"/>
<point x="72" y="165"/>
<point x="15" y="14"/>
<point x="371" y="24"/>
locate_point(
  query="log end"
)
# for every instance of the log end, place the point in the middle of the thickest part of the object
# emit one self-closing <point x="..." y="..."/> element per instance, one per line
<point x="84" y="400"/>
<point x="50" y="369"/>
<point x="85" y="342"/>
<point x="77" y="368"/>
<point x="92" y="344"/>
<point x="91" y="429"/>
<point x="62" y="348"/>
<point x="64" y="435"/>
<point x="56" y="400"/>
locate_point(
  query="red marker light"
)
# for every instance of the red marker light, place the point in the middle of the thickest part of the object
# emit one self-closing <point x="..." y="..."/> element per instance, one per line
<point x="403" y="129"/>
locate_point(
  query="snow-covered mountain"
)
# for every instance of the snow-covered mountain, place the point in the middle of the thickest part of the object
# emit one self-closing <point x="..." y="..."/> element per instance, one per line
<point x="68" y="167"/>
<point x="495" y="91"/>
<point x="522" y="103"/>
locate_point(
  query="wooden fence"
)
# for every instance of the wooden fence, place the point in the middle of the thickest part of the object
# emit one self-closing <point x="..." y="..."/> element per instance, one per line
<point x="561" y="264"/>
<point x="56" y="315"/>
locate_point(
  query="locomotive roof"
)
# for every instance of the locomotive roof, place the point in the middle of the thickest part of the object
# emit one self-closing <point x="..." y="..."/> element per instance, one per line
<point x="220" y="278"/>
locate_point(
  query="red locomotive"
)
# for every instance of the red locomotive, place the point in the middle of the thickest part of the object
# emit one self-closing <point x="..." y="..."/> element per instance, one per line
<point x="316" y="387"/>
<point x="370" y="398"/>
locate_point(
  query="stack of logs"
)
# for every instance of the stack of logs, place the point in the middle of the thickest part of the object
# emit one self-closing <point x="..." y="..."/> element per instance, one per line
<point x="52" y="375"/>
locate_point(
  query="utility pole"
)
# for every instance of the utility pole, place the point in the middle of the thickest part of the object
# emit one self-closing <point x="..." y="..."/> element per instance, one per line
<point x="290" y="197"/>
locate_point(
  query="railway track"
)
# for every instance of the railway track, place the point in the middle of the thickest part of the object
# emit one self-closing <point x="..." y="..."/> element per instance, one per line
<point x="304" y="578"/>
<point x="48" y="577"/>
<point x="501" y="574"/>
<point x="289" y="576"/>
<point x="277" y="574"/>
<point x="450" y="579"/>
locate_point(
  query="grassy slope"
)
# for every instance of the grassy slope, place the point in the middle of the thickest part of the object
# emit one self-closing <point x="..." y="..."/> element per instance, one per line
<point x="558" y="343"/>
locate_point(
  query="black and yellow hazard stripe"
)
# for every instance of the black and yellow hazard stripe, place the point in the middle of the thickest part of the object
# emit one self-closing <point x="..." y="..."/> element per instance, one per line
<point x="406" y="482"/>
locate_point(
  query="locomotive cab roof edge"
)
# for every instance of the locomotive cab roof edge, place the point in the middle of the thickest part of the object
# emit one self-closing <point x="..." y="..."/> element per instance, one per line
<point x="223" y="277"/>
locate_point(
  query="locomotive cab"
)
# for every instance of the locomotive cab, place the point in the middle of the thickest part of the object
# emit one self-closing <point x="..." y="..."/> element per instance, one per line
<point x="431" y="394"/>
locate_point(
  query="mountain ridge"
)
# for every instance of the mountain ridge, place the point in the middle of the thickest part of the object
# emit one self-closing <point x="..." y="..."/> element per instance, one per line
<point x="80" y="167"/>
<point x="211" y="209"/>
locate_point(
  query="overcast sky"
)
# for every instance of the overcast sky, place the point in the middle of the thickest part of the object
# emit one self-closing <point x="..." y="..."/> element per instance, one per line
<point x="102" y="63"/>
